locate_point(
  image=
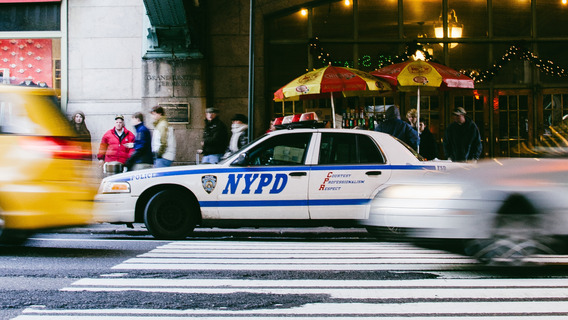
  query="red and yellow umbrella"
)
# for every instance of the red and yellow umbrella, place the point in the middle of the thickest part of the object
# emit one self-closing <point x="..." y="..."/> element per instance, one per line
<point x="423" y="74"/>
<point x="417" y="75"/>
<point x="324" y="82"/>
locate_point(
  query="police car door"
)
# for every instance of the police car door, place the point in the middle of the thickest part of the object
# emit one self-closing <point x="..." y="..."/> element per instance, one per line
<point x="350" y="168"/>
<point x="269" y="180"/>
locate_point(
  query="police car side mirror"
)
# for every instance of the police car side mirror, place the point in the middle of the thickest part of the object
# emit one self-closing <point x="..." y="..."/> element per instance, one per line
<point x="242" y="159"/>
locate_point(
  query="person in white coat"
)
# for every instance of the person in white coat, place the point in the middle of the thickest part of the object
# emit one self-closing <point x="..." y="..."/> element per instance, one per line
<point x="163" y="139"/>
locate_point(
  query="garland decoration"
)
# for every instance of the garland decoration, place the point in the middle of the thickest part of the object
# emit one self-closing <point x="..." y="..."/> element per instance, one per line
<point x="515" y="51"/>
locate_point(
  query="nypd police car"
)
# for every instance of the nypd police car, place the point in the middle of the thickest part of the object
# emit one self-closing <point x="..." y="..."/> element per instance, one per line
<point x="299" y="177"/>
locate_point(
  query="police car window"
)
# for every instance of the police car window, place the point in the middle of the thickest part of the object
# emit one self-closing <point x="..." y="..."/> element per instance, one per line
<point x="284" y="149"/>
<point x="347" y="148"/>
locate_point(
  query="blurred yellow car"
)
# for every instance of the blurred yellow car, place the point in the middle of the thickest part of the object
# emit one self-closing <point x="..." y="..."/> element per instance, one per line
<point x="45" y="171"/>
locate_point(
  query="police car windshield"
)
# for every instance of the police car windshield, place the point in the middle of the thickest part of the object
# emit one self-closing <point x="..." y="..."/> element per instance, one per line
<point x="416" y="154"/>
<point x="233" y="155"/>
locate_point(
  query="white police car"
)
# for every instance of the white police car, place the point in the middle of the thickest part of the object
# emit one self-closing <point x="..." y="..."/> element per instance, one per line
<point x="300" y="177"/>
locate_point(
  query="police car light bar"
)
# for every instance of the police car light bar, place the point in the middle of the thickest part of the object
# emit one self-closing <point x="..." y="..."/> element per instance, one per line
<point x="304" y="120"/>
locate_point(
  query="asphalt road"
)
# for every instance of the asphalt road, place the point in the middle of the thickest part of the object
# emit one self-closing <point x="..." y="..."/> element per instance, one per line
<point x="105" y="271"/>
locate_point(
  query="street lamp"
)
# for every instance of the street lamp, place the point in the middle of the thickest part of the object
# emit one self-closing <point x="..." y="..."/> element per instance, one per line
<point x="455" y="28"/>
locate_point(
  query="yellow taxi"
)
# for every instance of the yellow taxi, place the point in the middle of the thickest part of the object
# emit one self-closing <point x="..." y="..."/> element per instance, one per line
<point x="45" y="170"/>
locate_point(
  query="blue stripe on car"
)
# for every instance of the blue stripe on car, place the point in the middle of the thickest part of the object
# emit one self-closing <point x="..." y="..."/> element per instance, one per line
<point x="146" y="175"/>
<point x="283" y="203"/>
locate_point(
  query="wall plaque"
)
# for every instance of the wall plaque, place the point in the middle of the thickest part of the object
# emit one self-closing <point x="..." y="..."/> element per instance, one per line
<point x="176" y="112"/>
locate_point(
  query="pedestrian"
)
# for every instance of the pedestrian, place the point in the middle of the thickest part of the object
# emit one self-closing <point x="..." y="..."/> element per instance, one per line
<point x="215" y="137"/>
<point x="398" y="128"/>
<point x="163" y="139"/>
<point x="83" y="134"/>
<point x="116" y="143"/>
<point x="141" y="157"/>
<point x="462" y="140"/>
<point x="239" y="133"/>
<point x="412" y="117"/>
<point x="428" y="146"/>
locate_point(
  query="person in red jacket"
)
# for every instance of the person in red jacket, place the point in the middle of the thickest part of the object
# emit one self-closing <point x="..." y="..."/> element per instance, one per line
<point x="117" y="143"/>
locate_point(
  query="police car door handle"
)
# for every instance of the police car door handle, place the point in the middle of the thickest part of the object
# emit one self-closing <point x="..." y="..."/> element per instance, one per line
<point x="373" y="173"/>
<point x="297" y="174"/>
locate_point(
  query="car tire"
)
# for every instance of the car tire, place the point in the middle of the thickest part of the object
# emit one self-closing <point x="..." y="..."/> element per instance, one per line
<point x="507" y="251"/>
<point x="168" y="215"/>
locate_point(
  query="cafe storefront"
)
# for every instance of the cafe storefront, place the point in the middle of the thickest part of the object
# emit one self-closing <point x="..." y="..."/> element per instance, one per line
<point x="514" y="50"/>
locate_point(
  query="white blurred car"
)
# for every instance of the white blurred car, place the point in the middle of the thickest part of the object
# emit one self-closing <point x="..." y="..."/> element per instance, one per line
<point x="298" y="177"/>
<point x="506" y="211"/>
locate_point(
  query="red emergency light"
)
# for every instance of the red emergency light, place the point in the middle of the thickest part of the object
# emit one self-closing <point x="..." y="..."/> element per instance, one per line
<point x="301" y="120"/>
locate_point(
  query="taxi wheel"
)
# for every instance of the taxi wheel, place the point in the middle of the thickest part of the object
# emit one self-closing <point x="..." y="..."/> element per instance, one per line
<point x="168" y="215"/>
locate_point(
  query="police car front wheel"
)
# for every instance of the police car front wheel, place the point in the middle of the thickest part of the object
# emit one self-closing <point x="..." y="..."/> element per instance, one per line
<point x="168" y="215"/>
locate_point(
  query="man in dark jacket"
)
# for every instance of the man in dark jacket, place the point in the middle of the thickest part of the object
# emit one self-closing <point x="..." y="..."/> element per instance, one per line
<point x="398" y="128"/>
<point x="462" y="140"/>
<point x="142" y="157"/>
<point x="428" y="148"/>
<point x="215" y="137"/>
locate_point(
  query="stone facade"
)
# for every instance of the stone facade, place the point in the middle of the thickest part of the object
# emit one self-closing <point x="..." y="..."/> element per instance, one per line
<point x="108" y="76"/>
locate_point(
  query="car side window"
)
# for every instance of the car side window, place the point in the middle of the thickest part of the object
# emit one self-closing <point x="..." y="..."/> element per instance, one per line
<point x="13" y="118"/>
<point x="285" y="149"/>
<point x="347" y="148"/>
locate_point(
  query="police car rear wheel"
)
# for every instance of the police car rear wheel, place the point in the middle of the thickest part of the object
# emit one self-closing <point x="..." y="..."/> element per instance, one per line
<point x="168" y="215"/>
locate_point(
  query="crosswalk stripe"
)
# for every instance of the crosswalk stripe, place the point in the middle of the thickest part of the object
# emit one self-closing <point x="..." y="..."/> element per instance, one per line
<point x="243" y="255"/>
<point x="409" y="299"/>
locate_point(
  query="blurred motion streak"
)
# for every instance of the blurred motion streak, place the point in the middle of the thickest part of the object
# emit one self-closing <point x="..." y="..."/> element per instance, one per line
<point x="46" y="174"/>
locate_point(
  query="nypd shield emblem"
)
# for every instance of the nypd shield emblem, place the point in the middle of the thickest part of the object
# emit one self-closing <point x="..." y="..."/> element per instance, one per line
<point x="209" y="182"/>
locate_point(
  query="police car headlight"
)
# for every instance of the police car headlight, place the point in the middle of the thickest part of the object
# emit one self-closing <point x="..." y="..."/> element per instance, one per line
<point x="443" y="191"/>
<point x="116" y="187"/>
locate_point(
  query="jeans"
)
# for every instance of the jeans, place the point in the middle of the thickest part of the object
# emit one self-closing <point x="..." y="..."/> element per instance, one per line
<point x="212" y="158"/>
<point x="161" y="162"/>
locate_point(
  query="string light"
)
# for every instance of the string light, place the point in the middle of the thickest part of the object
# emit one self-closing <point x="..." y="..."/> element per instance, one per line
<point x="548" y="67"/>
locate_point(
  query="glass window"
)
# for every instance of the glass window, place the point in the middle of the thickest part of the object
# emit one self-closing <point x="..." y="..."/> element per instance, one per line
<point x="293" y="26"/>
<point x="378" y="19"/>
<point x="30" y="17"/>
<point x="551" y="18"/>
<point x="31" y="62"/>
<point x="287" y="62"/>
<point x="511" y="18"/>
<point x="333" y="20"/>
<point x="549" y="52"/>
<point x="515" y="71"/>
<point x="471" y="16"/>
<point x="468" y="56"/>
<point x="419" y="19"/>
<point x="342" y="148"/>
<point x="340" y="55"/>
<point x="376" y="56"/>
<point x="285" y="149"/>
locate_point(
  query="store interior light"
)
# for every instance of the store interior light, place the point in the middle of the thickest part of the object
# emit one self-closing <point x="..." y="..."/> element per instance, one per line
<point x="419" y="55"/>
<point x="304" y="12"/>
<point x="347" y="2"/>
<point x="564" y="2"/>
<point x="455" y="29"/>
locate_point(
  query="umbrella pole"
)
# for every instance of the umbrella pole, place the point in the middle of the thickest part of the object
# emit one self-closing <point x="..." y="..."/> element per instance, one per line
<point x="332" y="110"/>
<point x="418" y="120"/>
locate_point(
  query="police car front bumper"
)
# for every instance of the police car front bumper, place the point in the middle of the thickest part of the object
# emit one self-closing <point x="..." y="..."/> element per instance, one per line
<point x="114" y="208"/>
